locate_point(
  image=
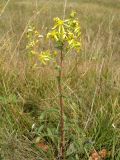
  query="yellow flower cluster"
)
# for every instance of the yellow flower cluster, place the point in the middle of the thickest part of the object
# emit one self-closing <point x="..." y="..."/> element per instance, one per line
<point x="65" y="34"/>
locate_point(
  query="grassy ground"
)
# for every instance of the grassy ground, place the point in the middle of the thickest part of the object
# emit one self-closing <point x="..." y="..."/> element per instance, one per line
<point x="91" y="83"/>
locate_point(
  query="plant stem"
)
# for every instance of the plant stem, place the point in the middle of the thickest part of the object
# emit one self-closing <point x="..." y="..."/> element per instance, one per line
<point x="61" y="107"/>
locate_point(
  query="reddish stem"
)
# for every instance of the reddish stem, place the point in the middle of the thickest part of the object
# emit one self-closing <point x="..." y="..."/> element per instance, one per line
<point x="61" y="107"/>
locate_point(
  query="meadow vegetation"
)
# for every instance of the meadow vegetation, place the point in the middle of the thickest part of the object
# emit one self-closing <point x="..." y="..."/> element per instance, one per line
<point x="29" y="98"/>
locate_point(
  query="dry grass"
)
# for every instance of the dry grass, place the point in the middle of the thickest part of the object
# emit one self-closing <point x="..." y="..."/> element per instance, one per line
<point x="92" y="79"/>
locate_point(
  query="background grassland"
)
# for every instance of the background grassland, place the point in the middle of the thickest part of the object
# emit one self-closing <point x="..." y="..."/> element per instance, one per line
<point x="91" y="81"/>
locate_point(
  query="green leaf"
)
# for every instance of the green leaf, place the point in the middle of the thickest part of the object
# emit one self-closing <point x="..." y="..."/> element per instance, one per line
<point x="71" y="149"/>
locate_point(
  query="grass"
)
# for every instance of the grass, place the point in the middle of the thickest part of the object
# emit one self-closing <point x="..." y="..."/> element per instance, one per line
<point x="91" y="83"/>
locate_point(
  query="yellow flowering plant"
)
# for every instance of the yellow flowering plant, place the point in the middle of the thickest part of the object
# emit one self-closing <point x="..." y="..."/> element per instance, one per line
<point x="66" y="36"/>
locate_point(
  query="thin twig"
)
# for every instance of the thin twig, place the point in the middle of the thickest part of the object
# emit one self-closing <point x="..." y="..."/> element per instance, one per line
<point x="94" y="97"/>
<point x="65" y="5"/>
<point x="4" y="8"/>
